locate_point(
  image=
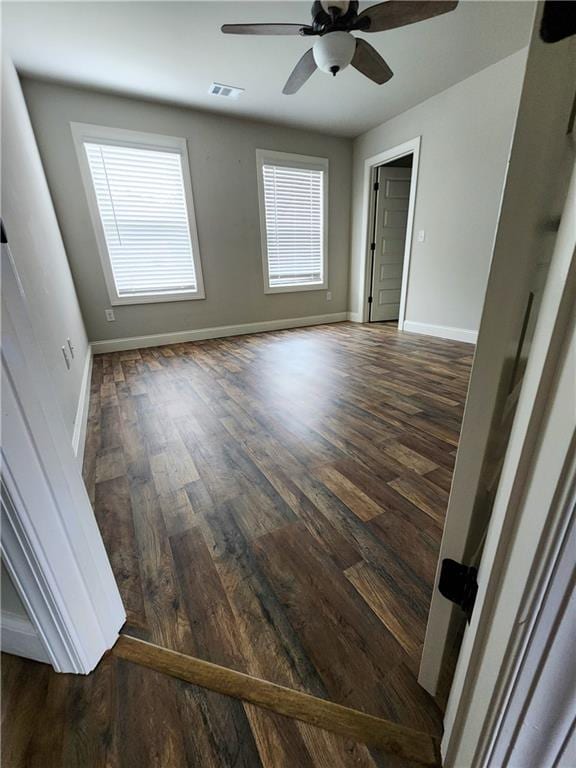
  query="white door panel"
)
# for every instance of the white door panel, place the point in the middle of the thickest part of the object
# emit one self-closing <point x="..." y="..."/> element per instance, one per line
<point x="396" y="218"/>
<point x="391" y="283"/>
<point x="393" y="247"/>
<point x="397" y="188"/>
<point x="388" y="271"/>
<point x="391" y="217"/>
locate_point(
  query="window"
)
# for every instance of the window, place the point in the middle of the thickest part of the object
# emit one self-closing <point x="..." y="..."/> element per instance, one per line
<point x="140" y="198"/>
<point x="293" y="195"/>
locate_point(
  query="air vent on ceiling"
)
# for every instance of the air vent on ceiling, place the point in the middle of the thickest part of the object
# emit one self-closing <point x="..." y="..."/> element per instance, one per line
<point x="226" y="91"/>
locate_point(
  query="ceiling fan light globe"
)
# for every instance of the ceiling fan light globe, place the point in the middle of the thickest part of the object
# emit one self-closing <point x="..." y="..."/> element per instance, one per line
<point x="336" y="49"/>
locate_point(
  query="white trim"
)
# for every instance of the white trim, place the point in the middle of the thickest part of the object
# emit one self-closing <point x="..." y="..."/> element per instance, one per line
<point x="289" y="160"/>
<point x="354" y="317"/>
<point x="541" y="707"/>
<point x="411" y="147"/>
<point x="26" y="564"/>
<point x="21" y="639"/>
<point x="532" y="191"/>
<point x="158" y="339"/>
<point x="50" y="541"/>
<point x="528" y="521"/>
<point x="82" y="132"/>
<point x="442" y="331"/>
<point x="81" y="419"/>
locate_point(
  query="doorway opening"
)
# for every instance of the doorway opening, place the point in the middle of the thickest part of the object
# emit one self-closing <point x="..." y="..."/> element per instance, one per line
<point x="390" y="187"/>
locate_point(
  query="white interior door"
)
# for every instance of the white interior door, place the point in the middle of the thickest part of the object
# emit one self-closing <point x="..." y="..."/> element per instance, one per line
<point x="535" y="190"/>
<point x="391" y="214"/>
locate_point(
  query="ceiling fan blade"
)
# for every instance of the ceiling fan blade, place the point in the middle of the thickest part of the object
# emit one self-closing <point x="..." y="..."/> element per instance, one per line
<point x="368" y="61"/>
<point x="264" y="29"/>
<point x="398" y="13"/>
<point x="301" y="72"/>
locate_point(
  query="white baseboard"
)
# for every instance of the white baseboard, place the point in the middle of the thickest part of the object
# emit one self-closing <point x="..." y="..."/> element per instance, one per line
<point x="355" y="317"/>
<point x="442" y="331"/>
<point x="20" y="638"/>
<point x="158" y="339"/>
<point x="81" y="420"/>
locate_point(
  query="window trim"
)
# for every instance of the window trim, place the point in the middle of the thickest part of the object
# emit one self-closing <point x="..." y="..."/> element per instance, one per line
<point x="289" y="160"/>
<point x="86" y="132"/>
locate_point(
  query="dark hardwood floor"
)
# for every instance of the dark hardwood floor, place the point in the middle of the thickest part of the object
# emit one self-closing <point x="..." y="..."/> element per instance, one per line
<point x="272" y="503"/>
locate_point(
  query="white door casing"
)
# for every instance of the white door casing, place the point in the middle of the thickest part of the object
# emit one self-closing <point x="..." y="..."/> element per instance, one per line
<point x="531" y="205"/>
<point x="493" y="710"/>
<point x="391" y="221"/>
<point x="51" y="544"/>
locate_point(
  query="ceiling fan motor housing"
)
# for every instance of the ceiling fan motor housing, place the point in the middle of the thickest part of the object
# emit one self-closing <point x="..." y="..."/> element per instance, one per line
<point x="334" y="51"/>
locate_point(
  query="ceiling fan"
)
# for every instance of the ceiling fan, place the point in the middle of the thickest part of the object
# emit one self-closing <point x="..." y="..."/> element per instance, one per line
<point x="332" y="22"/>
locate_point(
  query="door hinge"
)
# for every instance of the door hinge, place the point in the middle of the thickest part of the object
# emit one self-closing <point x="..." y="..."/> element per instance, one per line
<point x="369" y="299"/>
<point x="372" y="246"/>
<point x="458" y="584"/>
<point x="376" y="186"/>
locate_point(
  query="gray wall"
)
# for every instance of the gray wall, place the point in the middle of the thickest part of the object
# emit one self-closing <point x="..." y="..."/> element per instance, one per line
<point x="223" y="170"/>
<point x="466" y="134"/>
<point x="37" y="248"/>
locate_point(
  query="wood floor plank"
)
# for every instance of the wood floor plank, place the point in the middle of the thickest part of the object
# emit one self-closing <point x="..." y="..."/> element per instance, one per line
<point x="166" y="621"/>
<point x="397" y="615"/>
<point x="339" y="548"/>
<point x="430" y="498"/>
<point x="408" y="457"/>
<point x="331" y="621"/>
<point x="22" y="706"/>
<point x="441" y="477"/>
<point x="114" y="510"/>
<point x="223" y="610"/>
<point x="356" y="500"/>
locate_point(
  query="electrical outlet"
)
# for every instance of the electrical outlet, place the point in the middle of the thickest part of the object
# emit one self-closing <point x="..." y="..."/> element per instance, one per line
<point x="109" y="315"/>
<point x="421" y="236"/>
<point x="328" y="295"/>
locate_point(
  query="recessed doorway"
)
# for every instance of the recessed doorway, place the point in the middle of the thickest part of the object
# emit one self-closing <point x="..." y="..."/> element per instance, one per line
<point x="390" y="179"/>
<point x="392" y="193"/>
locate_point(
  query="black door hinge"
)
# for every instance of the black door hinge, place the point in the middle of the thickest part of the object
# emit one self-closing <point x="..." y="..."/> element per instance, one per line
<point x="376" y="186"/>
<point x="458" y="584"/>
<point x="369" y="299"/>
<point x="3" y="238"/>
<point x="372" y="246"/>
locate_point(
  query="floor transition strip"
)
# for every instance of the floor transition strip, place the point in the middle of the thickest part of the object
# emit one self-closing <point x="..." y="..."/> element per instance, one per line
<point x="390" y="737"/>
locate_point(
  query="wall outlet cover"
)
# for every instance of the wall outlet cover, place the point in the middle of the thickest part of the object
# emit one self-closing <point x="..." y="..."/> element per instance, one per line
<point x="109" y="315"/>
<point x="328" y="295"/>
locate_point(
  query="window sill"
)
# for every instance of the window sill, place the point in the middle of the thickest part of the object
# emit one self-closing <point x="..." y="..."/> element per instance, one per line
<point x="296" y="288"/>
<point x="156" y="298"/>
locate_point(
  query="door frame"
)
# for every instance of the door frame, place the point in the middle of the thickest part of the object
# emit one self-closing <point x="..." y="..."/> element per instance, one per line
<point x="533" y="195"/>
<point x="50" y="541"/>
<point x="411" y="147"/>
<point x="528" y="530"/>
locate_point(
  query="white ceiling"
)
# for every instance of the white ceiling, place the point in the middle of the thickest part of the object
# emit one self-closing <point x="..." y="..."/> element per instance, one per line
<point x="172" y="51"/>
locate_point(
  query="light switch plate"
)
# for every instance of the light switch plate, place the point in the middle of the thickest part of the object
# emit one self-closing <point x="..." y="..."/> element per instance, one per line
<point x="421" y="236"/>
<point x="328" y="295"/>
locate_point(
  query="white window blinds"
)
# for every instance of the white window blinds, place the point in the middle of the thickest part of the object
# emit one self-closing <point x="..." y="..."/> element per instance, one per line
<point x="142" y="207"/>
<point x="294" y="218"/>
